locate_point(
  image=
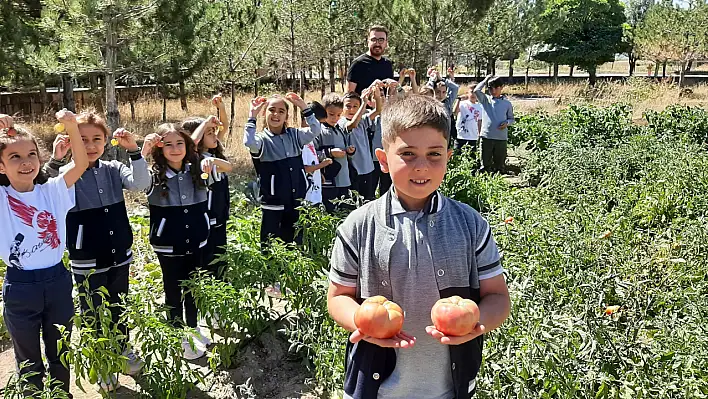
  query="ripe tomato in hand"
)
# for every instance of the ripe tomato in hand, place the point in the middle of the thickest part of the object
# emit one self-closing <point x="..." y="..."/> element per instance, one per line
<point x="455" y="316"/>
<point x="379" y="318"/>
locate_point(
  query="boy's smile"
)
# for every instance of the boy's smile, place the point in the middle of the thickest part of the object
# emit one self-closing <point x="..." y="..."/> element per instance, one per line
<point x="417" y="162"/>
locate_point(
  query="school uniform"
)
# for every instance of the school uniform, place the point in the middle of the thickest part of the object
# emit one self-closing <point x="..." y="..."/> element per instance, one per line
<point x="37" y="287"/>
<point x="362" y="161"/>
<point x="283" y="182"/>
<point x="99" y="233"/>
<point x="337" y="186"/>
<point x="179" y="230"/>
<point x="218" y="204"/>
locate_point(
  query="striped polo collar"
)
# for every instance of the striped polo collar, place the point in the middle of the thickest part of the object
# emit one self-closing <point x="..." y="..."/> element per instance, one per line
<point x="394" y="206"/>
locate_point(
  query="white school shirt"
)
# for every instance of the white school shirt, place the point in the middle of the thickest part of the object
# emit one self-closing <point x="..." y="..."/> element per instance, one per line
<point x="314" y="181"/>
<point x="467" y="119"/>
<point x="33" y="233"/>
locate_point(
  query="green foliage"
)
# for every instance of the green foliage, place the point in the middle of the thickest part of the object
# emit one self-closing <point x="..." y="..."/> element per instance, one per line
<point x="97" y="352"/>
<point x="588" y="33"/>
<point x="671" y="32"/>
<point x="679" y="121"/>
<point x="18" y="387"/>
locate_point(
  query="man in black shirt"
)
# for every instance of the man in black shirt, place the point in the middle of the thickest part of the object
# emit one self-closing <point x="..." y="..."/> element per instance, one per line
<point x="371" y="65"/>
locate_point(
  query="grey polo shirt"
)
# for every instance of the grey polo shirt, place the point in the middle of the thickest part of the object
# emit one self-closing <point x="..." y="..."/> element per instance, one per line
<point x="359" y="137"/>
<point x="421" y="260"/>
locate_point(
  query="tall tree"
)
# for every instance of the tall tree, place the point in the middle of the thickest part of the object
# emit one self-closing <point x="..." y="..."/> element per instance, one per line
<point x="589" y="33"/>
<point x="674" y="33"/>
<point x="635" y="12"/>
<point x="429" y="23"/>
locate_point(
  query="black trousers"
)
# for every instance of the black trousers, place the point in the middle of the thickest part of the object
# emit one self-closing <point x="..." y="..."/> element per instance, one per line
<point x="330" y="193"/>
<point x="115" y="280"/>
<point x="36" y="300"/>
<point x="381" y="179"/>
<point x="176" y="269"/>
<point x="462" y="143"/>
<point x="215" y="248"/>
<point x="493" y="155"/>
<point x="365" y="186"/>
<point x="280" y="224"/>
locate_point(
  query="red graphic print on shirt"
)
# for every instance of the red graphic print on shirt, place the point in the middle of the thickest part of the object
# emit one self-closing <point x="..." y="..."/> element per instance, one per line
<point x="45" y="223"/>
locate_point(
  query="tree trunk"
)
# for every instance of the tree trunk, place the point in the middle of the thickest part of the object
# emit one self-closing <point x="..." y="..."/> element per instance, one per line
<point x="182" y="94"/>
<point x="656" y="69"/>
<point x="663" y="69"/>
<point x="592" y="72"/>
<point x="233" y="107"/>
<point x="526" y="79"/>
<point x="555" y="71"/>
<point x="43" y="97"/>
<point x="511" y="68"/>
<point x="164" y="102"/>
<point x="689" y="65"/>
<point x="323" y="81"/>
<point x="302" y="83"/>
<point x="572" y="68"/>
<point x="331" y="74"/>
<point x="112" y="112"/>
<point x="68" y="92"/>
<point x="131" y="99"/>
<point x="632" y="64"/>
<point x="682" y="72"/>
<point x="491" y="66"/>
<point x="550" y="70"/>
<point x="95" y="93"/>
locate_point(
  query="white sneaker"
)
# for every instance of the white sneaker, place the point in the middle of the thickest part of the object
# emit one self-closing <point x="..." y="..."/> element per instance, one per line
<point x="110" y="385"/>
<point x="192" y="351"/>
<point x="134" y="363"/>
<point x="203" y="339"/>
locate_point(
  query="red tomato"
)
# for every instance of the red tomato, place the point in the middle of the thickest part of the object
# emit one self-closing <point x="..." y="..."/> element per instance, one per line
<point x="455" y="316"/>
<point x="379" y="318"/>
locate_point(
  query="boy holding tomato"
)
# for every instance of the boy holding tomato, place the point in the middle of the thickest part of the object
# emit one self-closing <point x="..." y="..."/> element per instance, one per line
<point x="406" y="247"/>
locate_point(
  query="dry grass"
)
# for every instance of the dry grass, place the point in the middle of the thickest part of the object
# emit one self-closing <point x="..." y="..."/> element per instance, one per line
<point x="550" y="97"/>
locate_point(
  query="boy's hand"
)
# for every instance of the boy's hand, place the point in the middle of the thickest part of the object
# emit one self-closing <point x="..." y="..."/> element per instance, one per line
<point x="366" y="93"/>
<point x="125" y="139"/>
<point x="503" y="125"/>
<point x="450" y="340"/>
<point x="463" y="97"/>
<point x="411" y="73"/>
<point x="351" y="149"/>
<point x="257" y="105"/>
<point x="392" y="84"/>
<point x="61" y="146"/>
<point x="431" y="71"/>
<point x="6" y="121"/>
<point x="296" y="100"/>
<point x="326" y="161"/>
<point x="400" y="340"/>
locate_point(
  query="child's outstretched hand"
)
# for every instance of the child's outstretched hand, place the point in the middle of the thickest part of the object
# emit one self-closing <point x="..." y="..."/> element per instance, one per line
<point x="6" y="121"/>
<point x="326" y="162"/>
<point x="411" y="73"/>
<point x="217" y="101"/>
<point x="337" y="153"/>
<point x="151" y="140"/>
<point x="257" y="105"/>
<point x="125" y="139"/>
<point x="207" y="165"/>
<point x="400" y="340"/>
<point x="65" y="116"/>
<point x="212" y="122"/>
<point x="296" y="100"/>
<point x="61" y="146"/>
<point x="452" y="340"/>
<point x="351" y="149"/>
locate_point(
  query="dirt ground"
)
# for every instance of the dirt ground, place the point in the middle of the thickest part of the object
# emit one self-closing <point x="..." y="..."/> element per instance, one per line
<point x="264" y="369"/>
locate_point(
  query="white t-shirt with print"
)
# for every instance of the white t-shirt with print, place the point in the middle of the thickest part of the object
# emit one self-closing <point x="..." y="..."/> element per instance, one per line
<point x="467" y="119"/>
<point x="314" y="181"/>
<point x="33" y="233"/>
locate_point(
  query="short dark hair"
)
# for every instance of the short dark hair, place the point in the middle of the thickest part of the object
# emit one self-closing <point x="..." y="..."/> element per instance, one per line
<point x="412" y="112"/>
<point x="495" y="82"/>
<point x="352" y="95"/>
<point x="377" y="28"/>
<point x="332" y="100"/>
<point x="319" y="110"/>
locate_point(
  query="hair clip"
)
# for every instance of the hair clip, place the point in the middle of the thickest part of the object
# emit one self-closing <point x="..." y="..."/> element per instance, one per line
<point x="11" y="132"/>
